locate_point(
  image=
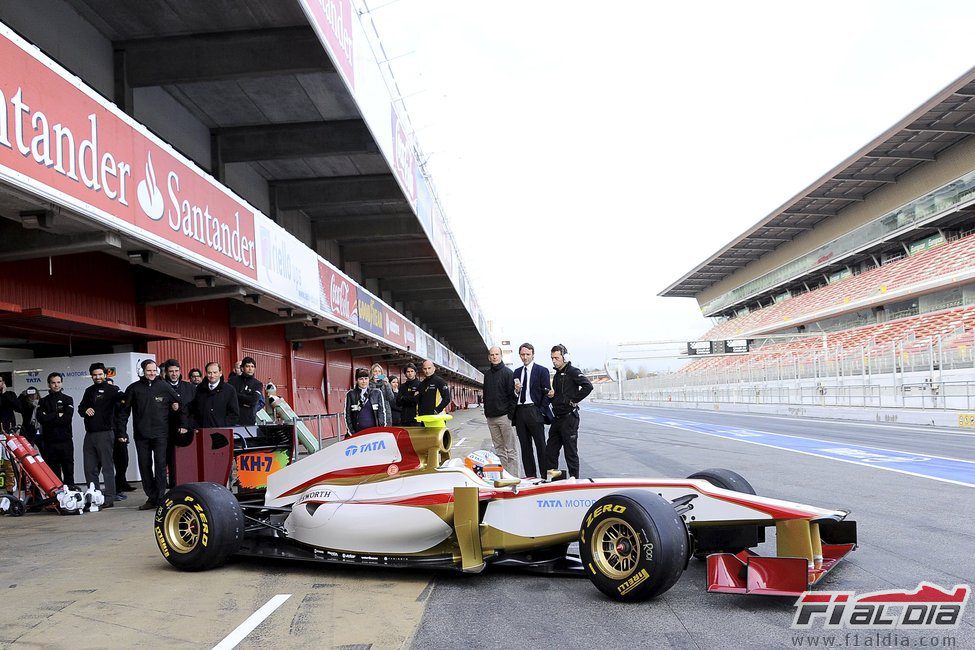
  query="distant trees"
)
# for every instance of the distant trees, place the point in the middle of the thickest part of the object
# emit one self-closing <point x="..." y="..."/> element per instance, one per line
<point x="639" y="373"/>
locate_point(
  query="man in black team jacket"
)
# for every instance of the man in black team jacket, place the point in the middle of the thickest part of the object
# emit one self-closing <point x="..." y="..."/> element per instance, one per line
<point x="434" y="391"/>
<point x="569" y="388"/>
<point x="54" y="414"/>
<point x="151" y="402"/>
<point x="186" y="391"/>
<point x="249" y="391"/>
<point x="8" y="406"/>
<point x="98" y="408"/>
<point x="408" y="396"/>
<point x="215" y="404"/>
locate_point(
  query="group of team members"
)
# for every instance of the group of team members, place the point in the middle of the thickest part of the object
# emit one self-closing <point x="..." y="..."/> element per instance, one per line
<point x="163" y="411"/>
<point x="376" y="401"/>
<point x="529" y="398"/>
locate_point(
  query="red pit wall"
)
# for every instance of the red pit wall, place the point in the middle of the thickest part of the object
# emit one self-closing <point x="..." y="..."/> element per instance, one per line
<point x="272" y="354"/>
<point x="66" y="285"/>
<point x="338" y="368"/>
<point x="309" y="365"/>
<point x="205" y="334"/>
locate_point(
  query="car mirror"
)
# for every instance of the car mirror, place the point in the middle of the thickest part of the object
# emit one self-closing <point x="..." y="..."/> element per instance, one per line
<point x="506" y="482"/>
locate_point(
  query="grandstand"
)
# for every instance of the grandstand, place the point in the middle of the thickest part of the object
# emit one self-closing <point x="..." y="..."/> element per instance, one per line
<point x="869" y="270"/>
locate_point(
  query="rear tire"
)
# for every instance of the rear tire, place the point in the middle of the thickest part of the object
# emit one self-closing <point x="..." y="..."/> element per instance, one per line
<point x="198" y="526"/>
<point x="727" y="480"/>
<point x="633" y="545"/>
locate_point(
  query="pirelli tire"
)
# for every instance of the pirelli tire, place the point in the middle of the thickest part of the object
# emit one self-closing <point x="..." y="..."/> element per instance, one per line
<point x="198" y="526"/>
<point x="726" y="480"/>
<point x="633" y="545"/>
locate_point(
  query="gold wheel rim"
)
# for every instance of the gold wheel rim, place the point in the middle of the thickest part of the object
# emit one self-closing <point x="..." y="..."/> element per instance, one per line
<point x="615" y="548"/>
<point x="182" y="527"/>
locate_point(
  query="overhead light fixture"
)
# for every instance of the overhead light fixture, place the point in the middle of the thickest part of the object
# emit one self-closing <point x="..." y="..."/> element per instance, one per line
<point x="35" y="219"/>
<point x="140" y="257"/>
<point x="286" y="312"/>
<point x="205" y="281"/>
<point x="253" y="298"/>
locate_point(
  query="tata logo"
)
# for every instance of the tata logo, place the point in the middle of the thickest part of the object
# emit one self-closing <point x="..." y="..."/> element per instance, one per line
<point x="376" y="445"/>
<point x="33" y="377"/>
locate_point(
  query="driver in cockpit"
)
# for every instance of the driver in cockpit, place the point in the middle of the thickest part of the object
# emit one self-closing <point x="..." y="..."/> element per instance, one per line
<point x="485" y="464"/>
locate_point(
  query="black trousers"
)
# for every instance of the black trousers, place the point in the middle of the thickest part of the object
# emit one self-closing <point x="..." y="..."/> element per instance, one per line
<point x="120" y="456"/>
<point x="152" y="466"/>
<point x="59" y="456"/>
<point x="98" y="449"/>
<point x="564" y="434"/>
<point x="531" y="430"/>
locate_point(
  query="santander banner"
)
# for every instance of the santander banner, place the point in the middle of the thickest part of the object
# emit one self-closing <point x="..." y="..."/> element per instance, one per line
<point x="59" y="139"/>
<point x="338" y="295"/>
<point x="332" y="21"/>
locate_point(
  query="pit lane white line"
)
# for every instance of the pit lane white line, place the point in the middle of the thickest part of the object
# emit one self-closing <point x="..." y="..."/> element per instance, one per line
<point x="252" y="621"/>
<point x="919" y="428"/>
<point x="459" y="442"/>
<point x="675" y="425"/>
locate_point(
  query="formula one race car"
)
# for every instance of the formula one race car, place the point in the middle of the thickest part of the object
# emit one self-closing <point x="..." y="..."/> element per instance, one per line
<point x="392" y="496"/>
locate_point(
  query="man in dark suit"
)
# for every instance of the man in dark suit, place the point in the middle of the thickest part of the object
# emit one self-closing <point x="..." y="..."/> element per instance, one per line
<point x="532" y="384"/>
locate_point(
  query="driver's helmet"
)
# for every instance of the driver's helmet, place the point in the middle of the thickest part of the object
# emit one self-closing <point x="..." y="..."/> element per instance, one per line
<point x="485" y="464"/>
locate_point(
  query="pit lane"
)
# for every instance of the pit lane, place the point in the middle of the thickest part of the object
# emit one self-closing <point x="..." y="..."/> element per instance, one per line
<point x="910" y="528"/>
<point x="98" y="580"/>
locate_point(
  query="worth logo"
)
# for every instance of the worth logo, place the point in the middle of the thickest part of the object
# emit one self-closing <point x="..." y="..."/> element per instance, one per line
<point x="927" y="607"/>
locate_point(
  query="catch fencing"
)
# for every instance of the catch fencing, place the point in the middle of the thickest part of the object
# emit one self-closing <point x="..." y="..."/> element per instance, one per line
<point x="934" y="373"/>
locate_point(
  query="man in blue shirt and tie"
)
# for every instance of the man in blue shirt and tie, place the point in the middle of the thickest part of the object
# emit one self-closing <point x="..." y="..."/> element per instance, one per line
<point x="532" y="384"/>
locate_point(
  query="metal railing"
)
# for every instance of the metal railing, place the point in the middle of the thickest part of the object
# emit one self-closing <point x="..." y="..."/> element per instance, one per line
<point x="949" y="395"/>
<point x="931" y="373"/>
<point x="324" y="425"/>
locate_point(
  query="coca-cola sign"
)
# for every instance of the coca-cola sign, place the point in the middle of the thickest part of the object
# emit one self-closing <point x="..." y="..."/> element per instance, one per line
<point x="59" y="139"/>
<point x="338" y="295"/>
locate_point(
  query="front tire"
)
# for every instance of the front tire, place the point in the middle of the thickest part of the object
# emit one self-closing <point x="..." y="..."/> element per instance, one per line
<point x="198" y="526"/>
<point x="725" y="479"/>
<point x="633" y="545"/>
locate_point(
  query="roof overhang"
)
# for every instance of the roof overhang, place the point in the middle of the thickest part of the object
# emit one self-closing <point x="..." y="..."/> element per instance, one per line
<point x="942" y="122"/>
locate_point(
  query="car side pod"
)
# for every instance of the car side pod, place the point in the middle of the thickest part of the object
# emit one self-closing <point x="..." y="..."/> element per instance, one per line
<point x="804" y="555"/>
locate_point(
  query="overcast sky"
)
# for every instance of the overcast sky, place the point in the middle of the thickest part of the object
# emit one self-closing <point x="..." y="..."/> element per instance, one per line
<point x="589" y="154"/>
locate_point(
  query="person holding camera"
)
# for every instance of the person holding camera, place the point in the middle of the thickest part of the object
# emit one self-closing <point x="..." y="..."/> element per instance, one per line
<point x="569" y="387"/>
<point x="377" y="380"/>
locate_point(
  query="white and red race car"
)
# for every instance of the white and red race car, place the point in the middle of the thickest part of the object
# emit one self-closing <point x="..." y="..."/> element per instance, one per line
<point x="393" y="497"/>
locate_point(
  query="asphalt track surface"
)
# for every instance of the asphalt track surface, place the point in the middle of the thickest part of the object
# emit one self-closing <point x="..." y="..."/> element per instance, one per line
<point x="911" y="528"/>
